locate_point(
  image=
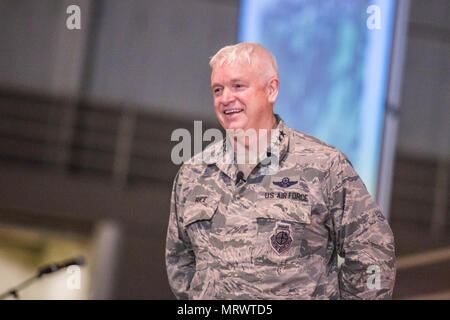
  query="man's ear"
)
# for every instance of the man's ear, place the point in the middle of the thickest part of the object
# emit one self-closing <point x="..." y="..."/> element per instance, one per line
<point x="273" y="87"/>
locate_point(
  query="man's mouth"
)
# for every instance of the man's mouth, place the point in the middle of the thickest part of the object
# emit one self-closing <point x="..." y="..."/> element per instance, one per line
<point x="232" y="111"/>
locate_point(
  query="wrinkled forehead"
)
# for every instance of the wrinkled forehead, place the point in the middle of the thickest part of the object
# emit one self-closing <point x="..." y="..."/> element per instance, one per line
<point x="237" y="70"/>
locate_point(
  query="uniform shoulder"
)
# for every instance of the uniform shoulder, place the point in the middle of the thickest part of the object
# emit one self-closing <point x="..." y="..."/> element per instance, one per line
<point x="303" y="141"/>
<point x="311" y="149"/>
<point x="193" y="168"/>
<point x="190" y="171"/>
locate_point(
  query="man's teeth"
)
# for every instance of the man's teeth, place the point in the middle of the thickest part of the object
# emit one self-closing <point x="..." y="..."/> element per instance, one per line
<point x="232" y="111"/>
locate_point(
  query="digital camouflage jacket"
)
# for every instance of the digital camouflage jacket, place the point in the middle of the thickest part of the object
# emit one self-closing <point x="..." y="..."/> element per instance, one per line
<point x="278" y="236"/>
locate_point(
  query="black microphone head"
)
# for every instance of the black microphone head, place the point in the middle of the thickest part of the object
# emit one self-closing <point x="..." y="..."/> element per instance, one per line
<point x="80" y="261"/>
<point x="239" y="177"/>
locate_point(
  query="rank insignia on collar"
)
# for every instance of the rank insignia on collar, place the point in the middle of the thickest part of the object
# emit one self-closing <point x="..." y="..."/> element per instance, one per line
<point x="281" y="239"/>
<point x="284" y="183"/>
<point x="200" y="199"/>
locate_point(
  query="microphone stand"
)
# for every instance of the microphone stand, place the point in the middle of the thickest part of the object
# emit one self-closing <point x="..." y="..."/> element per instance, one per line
<point x="14" y="291"/>
<point x="45" y="270"/>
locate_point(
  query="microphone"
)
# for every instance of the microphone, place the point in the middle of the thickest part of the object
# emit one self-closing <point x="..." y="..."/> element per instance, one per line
<point x="239" y="177"/>
<point x="79" y="261"/>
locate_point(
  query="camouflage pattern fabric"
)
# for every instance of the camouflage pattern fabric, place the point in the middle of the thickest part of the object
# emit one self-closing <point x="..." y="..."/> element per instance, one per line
<point x="278" y="236"/>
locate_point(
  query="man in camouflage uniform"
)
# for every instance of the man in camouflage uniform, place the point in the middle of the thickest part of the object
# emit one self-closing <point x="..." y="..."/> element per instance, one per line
<point x="240" y="231"/>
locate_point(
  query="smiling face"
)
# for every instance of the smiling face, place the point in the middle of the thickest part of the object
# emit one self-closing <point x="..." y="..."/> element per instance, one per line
<point x="242" y="99"/>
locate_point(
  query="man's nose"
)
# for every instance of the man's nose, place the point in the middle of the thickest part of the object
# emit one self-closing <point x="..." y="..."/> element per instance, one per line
<point x="227" y="96"/>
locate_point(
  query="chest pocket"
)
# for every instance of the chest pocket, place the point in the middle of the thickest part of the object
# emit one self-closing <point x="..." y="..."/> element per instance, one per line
<point x="284" y="209"/>
<point x="199" y="210"/>
<point x="280" y="225"/>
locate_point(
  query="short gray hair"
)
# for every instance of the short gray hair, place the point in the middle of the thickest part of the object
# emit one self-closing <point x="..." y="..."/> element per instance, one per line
<point x="241" y="52"/>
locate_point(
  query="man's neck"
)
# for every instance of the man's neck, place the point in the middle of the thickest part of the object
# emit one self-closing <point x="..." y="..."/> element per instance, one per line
<point x="259" y="149"/>
<point x="260" y="132"/>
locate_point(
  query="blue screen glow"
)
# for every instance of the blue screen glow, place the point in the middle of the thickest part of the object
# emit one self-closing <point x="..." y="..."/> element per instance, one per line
<point x="333" y="59"/>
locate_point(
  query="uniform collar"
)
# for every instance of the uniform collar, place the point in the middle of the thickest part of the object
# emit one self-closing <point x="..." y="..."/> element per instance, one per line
<point x="280" y="142"/>
<point x="278" y="148"/>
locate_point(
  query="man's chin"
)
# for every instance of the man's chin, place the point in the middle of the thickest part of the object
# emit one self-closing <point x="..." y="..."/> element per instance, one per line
<point x="235" y="125"/>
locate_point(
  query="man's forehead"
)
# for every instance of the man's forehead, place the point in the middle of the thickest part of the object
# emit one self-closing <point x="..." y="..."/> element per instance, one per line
<point x="233" y="71"/>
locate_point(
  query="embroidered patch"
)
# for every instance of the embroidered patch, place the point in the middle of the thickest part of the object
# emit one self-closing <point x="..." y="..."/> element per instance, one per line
<point x="281" y="239"/>
<point x="284" y="183"/>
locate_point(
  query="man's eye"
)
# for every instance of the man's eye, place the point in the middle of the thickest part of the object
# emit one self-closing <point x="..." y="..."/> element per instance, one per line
<point x="216" y="90"/>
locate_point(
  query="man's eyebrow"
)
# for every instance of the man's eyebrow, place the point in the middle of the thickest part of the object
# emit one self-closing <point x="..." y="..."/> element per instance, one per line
<point x="232" y="80"/>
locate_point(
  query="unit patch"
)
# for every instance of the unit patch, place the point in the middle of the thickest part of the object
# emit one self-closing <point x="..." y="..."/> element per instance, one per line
<point x="281" y="239"/>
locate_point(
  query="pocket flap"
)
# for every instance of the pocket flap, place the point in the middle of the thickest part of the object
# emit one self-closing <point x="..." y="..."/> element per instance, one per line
<point x="298" y="212"/>
<point x="200" y="206"/>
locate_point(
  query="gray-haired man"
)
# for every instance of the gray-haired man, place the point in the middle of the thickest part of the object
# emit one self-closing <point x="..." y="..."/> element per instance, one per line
<point x="236" y="232"/>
